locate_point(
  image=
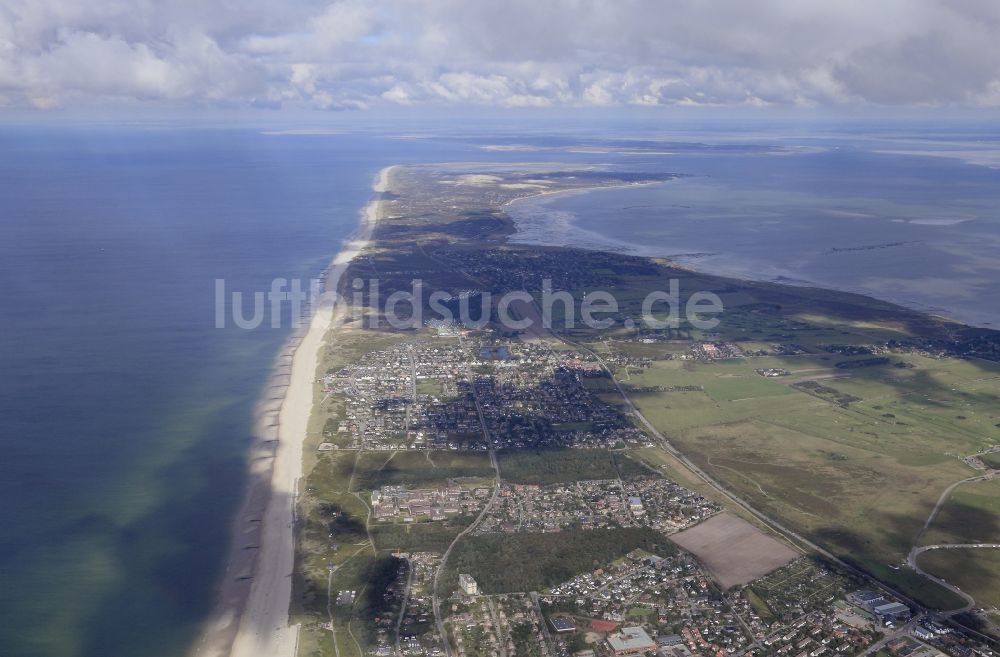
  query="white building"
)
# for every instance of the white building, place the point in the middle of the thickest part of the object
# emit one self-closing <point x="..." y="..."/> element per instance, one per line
<point x="469" y="586"/>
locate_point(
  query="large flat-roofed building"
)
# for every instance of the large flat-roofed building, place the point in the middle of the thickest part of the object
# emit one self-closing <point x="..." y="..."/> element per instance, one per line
<point x="892" y="611"/>
<point x="869" y="599"/>
<point x="563" y="624"/>
<point x="630" y="641"/>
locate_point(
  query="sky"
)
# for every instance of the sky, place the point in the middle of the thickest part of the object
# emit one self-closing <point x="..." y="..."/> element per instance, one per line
<point x="377" y="54"/>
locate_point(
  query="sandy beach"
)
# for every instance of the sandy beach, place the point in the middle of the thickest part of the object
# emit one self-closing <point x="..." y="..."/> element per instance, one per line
<point x="251" y="617"/>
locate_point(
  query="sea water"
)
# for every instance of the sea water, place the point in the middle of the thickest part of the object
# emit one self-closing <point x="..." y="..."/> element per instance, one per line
<point x="909" y="219"/>
<point x="125" y="415"/>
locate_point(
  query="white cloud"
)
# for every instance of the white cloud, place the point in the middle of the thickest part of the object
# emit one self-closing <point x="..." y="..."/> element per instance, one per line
<point x="598" y="93"/>
<point x="353" y="53"/>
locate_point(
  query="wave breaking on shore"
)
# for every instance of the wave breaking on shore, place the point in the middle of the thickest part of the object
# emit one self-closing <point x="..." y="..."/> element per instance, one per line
<point x="251" y="614"/>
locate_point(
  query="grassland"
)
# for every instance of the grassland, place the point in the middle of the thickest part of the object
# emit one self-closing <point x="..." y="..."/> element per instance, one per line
<point x="758" y="604"/>
<point x="340" y="548"/>
<point x="334" y="553"/>
<point x="505" y="563"/>
<point x="857" y="477"/>
<point x="977" y="572"/>
<point x="971" y="515"/>
<point x="991" y="460"/>
<point x="418" y="468"/>
<point x="551" y="466"/>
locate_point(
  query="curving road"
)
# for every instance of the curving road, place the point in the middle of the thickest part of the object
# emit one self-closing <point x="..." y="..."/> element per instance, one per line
<point x="917" y="550"/>
<point x="944" y="498"/>
<point x="911" y="559"/>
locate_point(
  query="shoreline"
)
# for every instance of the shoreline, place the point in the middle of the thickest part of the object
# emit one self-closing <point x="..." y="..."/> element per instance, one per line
<point x="566" y="233"/>
<point x="251" y="616"/>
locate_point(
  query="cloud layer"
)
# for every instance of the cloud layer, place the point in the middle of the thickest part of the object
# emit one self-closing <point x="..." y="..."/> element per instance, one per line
<point x="356" y="54"/>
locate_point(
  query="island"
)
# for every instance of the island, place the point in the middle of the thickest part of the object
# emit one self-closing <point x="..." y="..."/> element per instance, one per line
<point x="814" y="474"/>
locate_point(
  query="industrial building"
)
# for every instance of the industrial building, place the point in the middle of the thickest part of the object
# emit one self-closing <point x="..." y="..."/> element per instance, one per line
<point x="892" y="611"/>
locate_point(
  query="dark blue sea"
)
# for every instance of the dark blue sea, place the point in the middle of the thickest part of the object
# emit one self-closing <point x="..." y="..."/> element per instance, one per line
<point x="125" y="415"/>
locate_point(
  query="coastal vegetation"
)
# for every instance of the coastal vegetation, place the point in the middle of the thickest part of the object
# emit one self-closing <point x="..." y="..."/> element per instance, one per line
<point x="418" y="468"/>
<point x="419" y="536"/>
<point x="971" y="514"/>
<point x="977" y="572"/>
<point x="554" y="465"/>
<point x="505" y="563"/>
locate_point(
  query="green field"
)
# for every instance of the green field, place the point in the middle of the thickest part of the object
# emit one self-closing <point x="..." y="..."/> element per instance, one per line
<point x="992" y="460"/>
<point x="971" y="515"/>
<point x="758" y="604"/>
<point x="858" y="477"/>
<point x="418" y="468"/>
<point x="977" y="572"/>
<point x="552" y="466"/>
<point x="505" y="563"/>
<point x="420" y="536"/>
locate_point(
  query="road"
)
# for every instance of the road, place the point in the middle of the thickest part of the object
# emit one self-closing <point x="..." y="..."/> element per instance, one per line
<point x="413" y="386"/>
<point x="911" y="559"/>
<point x="944" y="498"/>
<point x="435" y="595"/>
<point x="402" y="607"/>
<point x="954" y="546"/>
<point x="903" y="631"/>
<point x="549" y="645"/>
<point x="497" y="630"/>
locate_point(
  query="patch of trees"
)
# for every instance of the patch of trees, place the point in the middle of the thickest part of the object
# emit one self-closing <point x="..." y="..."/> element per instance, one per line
<point x="551" y="466"/>
<point x="505" y="563"/>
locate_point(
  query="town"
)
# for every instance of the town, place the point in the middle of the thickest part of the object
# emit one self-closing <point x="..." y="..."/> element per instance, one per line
<point x="439" y="395"/>
<point x="457" y="391"/>
<point x="646" y="502"/>
<point x="645" y="604"/>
